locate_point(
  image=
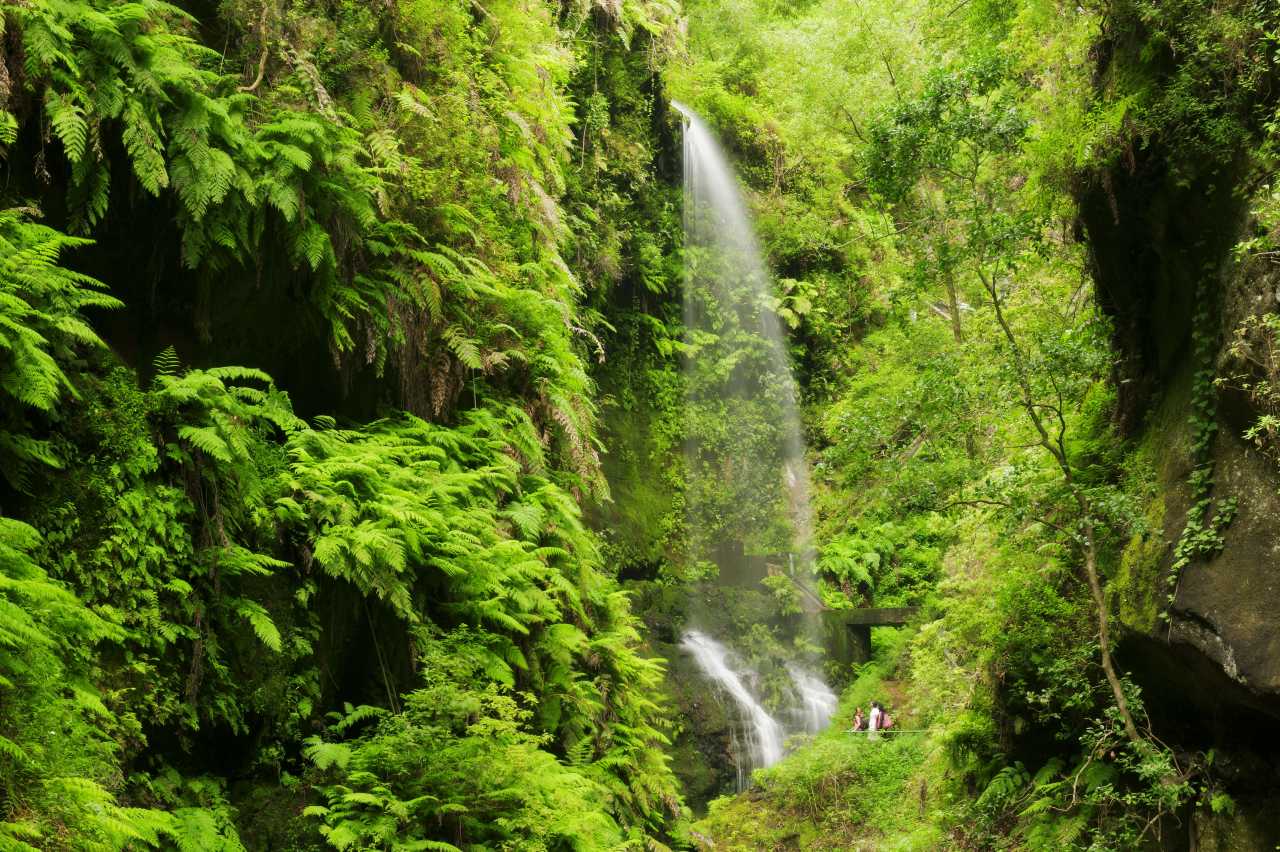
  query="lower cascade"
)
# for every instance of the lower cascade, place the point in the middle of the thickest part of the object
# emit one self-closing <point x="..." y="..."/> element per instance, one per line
<point x="762" y="733"/>
<point x="760" y="739"/>
<point x="817" y="701"/>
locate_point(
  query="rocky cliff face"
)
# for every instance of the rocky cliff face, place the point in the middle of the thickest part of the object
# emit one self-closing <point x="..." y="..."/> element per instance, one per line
<point x="1162" y="262"/>
<point x="1229" y="606"/>
<point x="1226" y="605"/>
<point x="1165" y="273"/>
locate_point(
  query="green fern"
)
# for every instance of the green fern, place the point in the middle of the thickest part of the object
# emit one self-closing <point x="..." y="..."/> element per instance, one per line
<point x="143" y="144"/>
<point x="57" y="753"/>
<point x="420" y="228"/>
<point x="1004" y="786"/>
<point x="325" y="755"/>
<point x="167" y="363"/>
<point x="8" y="128"/>
<point x="41" y="330"/>
<point x="260" y="620"/>
<point x="68" y="122"/>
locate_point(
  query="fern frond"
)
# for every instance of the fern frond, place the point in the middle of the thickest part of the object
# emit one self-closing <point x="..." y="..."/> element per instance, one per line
<point x="208" y="441"/>
<point x="466" y="349"/>
<point x="166" y="363"/>
<point x="260" y="620"/>
<point x="325" y="754"/>
<point x="68" y="122"/>
<point x="143" y="145"/>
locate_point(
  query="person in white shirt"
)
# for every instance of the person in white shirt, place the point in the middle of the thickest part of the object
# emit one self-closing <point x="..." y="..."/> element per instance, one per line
<point x="873" y="721"/>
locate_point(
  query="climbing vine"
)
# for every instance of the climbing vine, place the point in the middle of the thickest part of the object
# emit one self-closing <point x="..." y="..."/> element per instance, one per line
<point x="1202" y="536"/>
<point x="1256" y="349"/>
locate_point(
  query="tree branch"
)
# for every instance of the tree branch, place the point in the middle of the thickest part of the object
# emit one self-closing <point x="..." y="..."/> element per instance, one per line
<point x="266" y="47"/>
<point x="1058" y="452"/>
<point x="982" y="501"/>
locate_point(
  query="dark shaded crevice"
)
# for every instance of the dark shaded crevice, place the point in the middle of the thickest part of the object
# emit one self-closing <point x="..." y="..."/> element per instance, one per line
<point x="365" y="651"/>
<point x="1207" y="717"/>
<point x="1152" y="235"/>
<point x="1194" y="707"/>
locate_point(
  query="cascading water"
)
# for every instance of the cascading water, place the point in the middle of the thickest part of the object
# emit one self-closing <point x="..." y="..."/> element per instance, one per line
<point x="817" y="701"/>
<point x="746" y="479"/>
<point x="738" y="372"/>
<point x="763" y="735"/>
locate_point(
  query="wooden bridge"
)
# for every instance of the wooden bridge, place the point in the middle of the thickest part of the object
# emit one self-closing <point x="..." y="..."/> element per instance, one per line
<point x="847" y="632"/>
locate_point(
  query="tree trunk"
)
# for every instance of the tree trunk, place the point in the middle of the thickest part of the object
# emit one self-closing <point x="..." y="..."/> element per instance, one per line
<point x="954" y="301"/>
<point x="1058" y="451"/>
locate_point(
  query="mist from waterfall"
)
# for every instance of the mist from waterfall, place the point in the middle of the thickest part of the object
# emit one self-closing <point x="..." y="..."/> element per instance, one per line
<point x="747" y="480"/>
<point x="739" y="373"/>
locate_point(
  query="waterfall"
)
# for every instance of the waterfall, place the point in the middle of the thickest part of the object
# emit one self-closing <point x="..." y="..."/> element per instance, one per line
<point x="763" y="734"/>
<point x="747" y="484"/>
<point x="738" y="370"/>
<point x="817" y="701"/>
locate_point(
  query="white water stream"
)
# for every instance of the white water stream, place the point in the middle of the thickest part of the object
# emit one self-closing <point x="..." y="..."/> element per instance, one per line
<point x="817" y="701"/>
<point x="730" y="322"/>
<point x="746" y="474"/>
<point x="763" y="736"/>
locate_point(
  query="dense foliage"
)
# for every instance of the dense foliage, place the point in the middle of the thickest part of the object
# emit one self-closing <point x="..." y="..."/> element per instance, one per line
<point x="948" y="195"/>
<point x="347" y="399"/>
<point x="201" y="575"/>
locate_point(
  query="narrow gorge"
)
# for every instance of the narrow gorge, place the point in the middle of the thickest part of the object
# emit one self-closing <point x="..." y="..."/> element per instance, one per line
<point x="469" y="425"/>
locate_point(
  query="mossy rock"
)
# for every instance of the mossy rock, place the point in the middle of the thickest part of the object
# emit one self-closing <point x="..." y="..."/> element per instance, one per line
<point x="1247" y="826"/>
<point x="1136" y="585"/>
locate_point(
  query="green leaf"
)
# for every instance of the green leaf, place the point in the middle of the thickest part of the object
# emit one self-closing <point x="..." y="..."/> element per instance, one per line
<point x="260" y="620"/>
